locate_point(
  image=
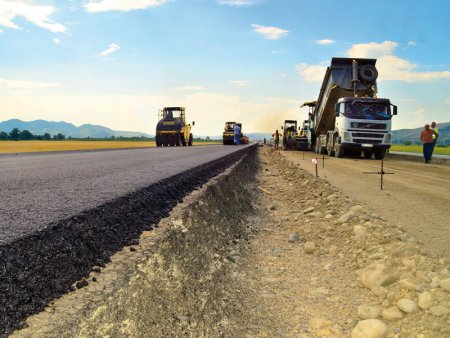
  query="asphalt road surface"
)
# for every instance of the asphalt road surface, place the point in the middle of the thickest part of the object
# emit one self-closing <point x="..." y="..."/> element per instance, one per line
<point x="37" y="189"/>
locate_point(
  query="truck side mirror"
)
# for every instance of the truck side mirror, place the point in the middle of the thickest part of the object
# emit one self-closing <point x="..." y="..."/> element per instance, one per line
<point x="395" y="110"/>
<point x="337" y="106"/>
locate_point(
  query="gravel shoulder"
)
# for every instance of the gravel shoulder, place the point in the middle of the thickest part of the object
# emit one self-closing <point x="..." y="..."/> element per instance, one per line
<point x="416" y="197"/>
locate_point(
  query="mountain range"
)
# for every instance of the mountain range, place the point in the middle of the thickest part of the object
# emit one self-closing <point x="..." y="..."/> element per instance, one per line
<point x="401" y="136"/>
<point x="40" y="127"/>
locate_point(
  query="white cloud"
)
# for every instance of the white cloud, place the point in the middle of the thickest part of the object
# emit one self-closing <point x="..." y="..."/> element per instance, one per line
<point x="36" y="14"/>
<point x="240" y="83"/>
<point x="56" y="41"/>
<point x="270" y="32"/>
<point x="392" y="67"/>
<point x="324" y="42"/>
<point x="20" y="85"/>
<point x="94" y="6"/>
<point x="238" y="3"/>
<point x="190" y="88"/>
<point x="112" y="48"/>
<point x="411" y="43"/>
<point x="311" y="73"/>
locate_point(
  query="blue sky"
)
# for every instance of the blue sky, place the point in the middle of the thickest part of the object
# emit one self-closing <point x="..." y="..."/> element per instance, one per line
<point x="114" y="63"/>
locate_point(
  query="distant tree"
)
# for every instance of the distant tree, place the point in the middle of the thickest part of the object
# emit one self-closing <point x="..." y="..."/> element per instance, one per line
<point x="46" y="136"/>
<point x="207" y="138"/>
<point x="25" y="135"/>
<point x="59" y="136"/>
<point x="4" y="135"/>
<point x="14" y="134"/>
<point x="408" y="143"/>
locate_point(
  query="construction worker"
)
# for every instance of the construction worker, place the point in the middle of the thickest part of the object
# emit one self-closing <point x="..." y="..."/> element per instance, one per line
<point x="276" y="137"/>
<point x="435" y="135"/>
<point x="237" y="134"/>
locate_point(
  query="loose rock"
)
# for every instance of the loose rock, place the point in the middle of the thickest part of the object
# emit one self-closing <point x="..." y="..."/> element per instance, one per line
<point x="368" y="312"/>
<point x="425" y="300"/>
<point x="392" y="313"/>
<point x="370" y="328"/>
<point x="378" y="275"/>
<point x="346" y="217"/>
<point x="407" y="305"/>
<point x="294" y="237"/>
<point x="309" y="247"/>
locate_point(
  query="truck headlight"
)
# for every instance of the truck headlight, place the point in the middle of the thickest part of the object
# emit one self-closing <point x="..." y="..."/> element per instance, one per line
<point x="346" y="136"/>
<point x="388" y="138"/>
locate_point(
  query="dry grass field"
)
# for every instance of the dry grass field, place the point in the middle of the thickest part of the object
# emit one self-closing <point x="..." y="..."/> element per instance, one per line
<point x="39" y="146"/>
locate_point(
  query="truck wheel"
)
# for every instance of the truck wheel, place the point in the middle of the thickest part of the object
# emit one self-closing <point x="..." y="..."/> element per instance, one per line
<point x="178" y="140"/>
<point x="191" y="139"/>
<point x="368" y="154"/>
<point x="368" y="73"/>
<point x="158" y="141"/>
<point x="379" y="154"/>
<point x="340" y="152"/>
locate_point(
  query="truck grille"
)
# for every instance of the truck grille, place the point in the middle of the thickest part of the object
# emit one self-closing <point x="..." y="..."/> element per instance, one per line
<point x="367" y="135"/>
<point x="365" y="125"/>
<point x="366" y="140"/>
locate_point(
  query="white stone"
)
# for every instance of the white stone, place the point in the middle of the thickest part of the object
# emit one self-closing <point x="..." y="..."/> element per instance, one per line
<point x="368" y="312"/>
<point x="328" y="216"/>
<point x="370" y="328"/>
<point x="309" y="247"/>
<point x="378" y="275"/>
<point x="392" y="313"/>
<point x="407" y="305"/>
<point x="445" y="284"/>
<point x="425" y="300"/>
<point x="360" y="231"/>
<point x="308" y="210"/>
<point x="439" y="310"/>
<point x="346" y="217"/>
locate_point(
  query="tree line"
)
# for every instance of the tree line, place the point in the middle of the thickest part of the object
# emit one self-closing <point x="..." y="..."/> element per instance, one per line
<point x="16" y="134"/>
<point x="21" y="135"/>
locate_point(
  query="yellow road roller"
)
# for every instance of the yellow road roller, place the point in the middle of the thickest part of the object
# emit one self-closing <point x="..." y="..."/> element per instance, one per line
<point x="172" y="129"/>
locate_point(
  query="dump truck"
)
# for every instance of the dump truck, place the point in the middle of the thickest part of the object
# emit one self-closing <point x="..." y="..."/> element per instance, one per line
<point x="348" y="118"/>
<point x="172" y="129"/>
<point x="228" y="134"/>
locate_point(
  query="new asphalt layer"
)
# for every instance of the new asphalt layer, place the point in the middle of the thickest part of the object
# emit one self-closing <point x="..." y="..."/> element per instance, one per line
<point x="62" y="213"/>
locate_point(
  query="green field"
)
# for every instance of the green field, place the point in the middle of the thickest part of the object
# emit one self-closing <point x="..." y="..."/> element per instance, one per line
<point x="418" y="149"/>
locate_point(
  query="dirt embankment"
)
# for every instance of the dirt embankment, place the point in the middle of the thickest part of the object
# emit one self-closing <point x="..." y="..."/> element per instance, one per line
<point x="283" y="254"/>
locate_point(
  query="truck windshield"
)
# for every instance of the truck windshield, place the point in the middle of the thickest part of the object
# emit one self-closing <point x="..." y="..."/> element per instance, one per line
<point x="368" y="111"/>
<point x="172" y="114"/>
<point x="290" y="126"/>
